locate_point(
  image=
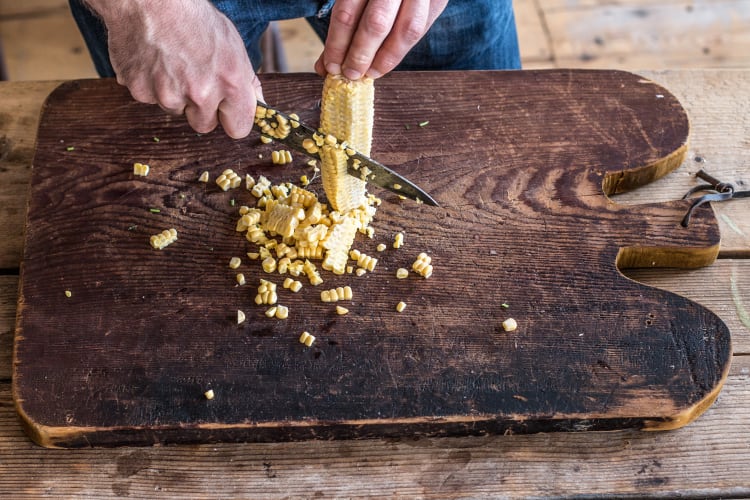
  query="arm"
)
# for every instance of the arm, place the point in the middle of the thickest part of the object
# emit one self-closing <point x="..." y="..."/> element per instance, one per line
<point x="370" y="37"/>
<point x="185" y="56"/>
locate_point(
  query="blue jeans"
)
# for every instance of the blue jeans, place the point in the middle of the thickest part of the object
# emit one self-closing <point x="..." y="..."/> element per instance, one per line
<point x="469" y="34"/>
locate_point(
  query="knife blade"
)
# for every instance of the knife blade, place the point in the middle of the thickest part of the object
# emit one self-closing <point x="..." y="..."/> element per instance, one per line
<point x="292" y="133"/>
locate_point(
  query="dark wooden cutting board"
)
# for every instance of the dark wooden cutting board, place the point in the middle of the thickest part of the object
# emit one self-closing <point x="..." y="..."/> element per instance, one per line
<point x="521" y="162"/>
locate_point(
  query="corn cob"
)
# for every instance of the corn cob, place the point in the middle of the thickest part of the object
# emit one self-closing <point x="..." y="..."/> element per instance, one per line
<point x="347" y="112"/>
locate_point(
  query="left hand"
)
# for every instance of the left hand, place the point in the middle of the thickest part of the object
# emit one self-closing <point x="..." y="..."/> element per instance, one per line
<point x="371" y="37"/>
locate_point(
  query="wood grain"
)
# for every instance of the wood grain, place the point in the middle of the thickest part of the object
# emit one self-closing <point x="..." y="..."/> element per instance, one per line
<point x="704" y="459"/>
<point x="126" y="359"/>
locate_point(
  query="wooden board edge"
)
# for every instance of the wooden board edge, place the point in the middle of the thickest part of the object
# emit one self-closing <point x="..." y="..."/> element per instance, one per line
<point x="690" y="414"/>
<point x="628" y="180"/>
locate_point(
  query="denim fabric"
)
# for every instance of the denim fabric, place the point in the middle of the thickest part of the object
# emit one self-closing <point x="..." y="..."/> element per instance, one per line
<point x="469" y="34"/>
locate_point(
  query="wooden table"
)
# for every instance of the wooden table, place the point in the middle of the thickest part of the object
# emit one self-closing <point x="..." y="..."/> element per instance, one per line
<point x="708" y="458"/>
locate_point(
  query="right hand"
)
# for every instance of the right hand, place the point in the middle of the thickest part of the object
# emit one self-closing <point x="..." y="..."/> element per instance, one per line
<point x="185" y="56"/>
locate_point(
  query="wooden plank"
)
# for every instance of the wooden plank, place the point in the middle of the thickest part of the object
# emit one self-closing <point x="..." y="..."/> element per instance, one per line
<point x="702" y="460"/>
<point x="45" y="48"/>
<point x="12" y="9"/>
<point x="710" y="286"/>
<point x="655" y="35"/>
<point x="712" y="99"/>
<point x="533" y="38"/>
<point x="19" y="117"/>
<point x="598" y="129"/>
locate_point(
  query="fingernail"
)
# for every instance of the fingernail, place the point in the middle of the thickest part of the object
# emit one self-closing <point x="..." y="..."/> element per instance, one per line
<point x="373" y="73"/>
<point x="333" y="68"/>
<point x="352" y="74"/>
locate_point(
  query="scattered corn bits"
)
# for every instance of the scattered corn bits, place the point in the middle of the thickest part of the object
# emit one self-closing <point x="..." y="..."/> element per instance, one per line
<point x="341" y="310"/>
<point x="401" y="306"/>
<point x="234" y="262"/>
<point x="422" y="265"/>
<point x="402" y="273"/>
<point x="203" y="177"/>
<point x="281" y="157"/>
<point x="68" y="293"/>
<point x="381" y="247"/>
<point x="265" y="139"/>
<point x="293" y="285"/>
<point x="240" y="317"/>
<point x="209" y="394"/>
<point x="398" y="240"/>
<point x="140" y="169"/>
<point x="336" y="294"/>
<point x="228" y="179"/>
<point x="240" y="279"/>
<point x="166" y="237"/>
<point x="282" y="312"/>
<point x="510" y="325"/>
<point x="266" y="293"/>
<point x="306" y="339"/>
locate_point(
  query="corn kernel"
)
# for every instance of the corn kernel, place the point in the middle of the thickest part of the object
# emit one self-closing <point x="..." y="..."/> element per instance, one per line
<point x="234" y="262"/>
<point x="240" y="279"/>
<point x="381" y="247"/>
<point x="402" y="273"/>
<point x="306" y="339"/>
<point x="68" y="293"/>
<point x="360" y="271"/>
<point x="140" y="169"/>
<point x="282" y="312"/>
<point x="341" y="310"/>
<point x="271" y="312"/>
<point x="398" y="240"/>
<point x="203" y="177"/>
<point x="209" y="394"/>
<point x="269" y="264"/>
<point x="400" y="306"/>
<point x="253" y="255"/>
<point x="265" y="139"/>
<point x="240" y="317"/>
<point x="509" y="325"/>
<point x="423" y="265"/>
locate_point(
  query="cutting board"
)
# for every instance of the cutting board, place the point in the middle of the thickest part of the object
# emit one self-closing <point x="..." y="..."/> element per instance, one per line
<point x="522" y="164"/>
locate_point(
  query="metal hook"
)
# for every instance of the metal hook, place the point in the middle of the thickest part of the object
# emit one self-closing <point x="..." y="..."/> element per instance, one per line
<point x="716" y="191"/>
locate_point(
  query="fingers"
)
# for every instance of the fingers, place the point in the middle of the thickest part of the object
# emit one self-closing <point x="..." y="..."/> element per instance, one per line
<point x="372" y="37"/>
<point x="236" y="111"/>
<point x="409" y="27"/>
<point x="345" y="17"/>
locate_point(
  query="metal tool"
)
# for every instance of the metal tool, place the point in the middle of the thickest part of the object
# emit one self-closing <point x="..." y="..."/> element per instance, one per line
<point x="360" y="166"/>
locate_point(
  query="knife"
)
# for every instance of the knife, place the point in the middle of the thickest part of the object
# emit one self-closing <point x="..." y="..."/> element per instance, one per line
<point x="291" y="132"/>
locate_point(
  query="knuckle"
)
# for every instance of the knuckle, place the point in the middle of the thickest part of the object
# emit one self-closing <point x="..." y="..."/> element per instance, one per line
<point x="378" y="22"/>
<point x="346" y="16"/>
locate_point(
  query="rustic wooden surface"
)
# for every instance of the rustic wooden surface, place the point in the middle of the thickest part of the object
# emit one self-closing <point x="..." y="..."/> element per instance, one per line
<point x="524" y="220"/>
<point x="705" y="459"/>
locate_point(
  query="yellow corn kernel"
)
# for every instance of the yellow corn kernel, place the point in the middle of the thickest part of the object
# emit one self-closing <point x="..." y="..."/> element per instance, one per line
<point x="312" y="273"/>
<point x="282" y="312"/>
<point x="240" y="317"/>
<point x="509" y="325"/>
<point x="381" y="247"/>
<point x="249" y="182"/>
<point x="271" y="312"/>
<point x="68" y="293"/>
<point x="265" y="139"/>
<point x="402" y="273"/>
<point x="341" y="310"/>
<point x="360" y="271"/>
<point x="209" y="394"/>
<point x="306" y="339"/>
<point x="140" y="169"/>
<point x="398" y="240"/>
<point x="336" y="294"/>
<point x="161" y="240"/>
<point x="240" y="279"/>
<point x="234" y="262"/>
<point x="304" y="181"/>
<point x="269" y="264"/>
<point x="253" y="255"/>
<point x="422" y="265"/>
<point x="401" y="306"/>
<point x="203" y="177"/>
<point x="281" y="157"/>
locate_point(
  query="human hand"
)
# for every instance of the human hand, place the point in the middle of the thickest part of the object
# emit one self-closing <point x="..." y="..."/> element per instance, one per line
<point x="185" y="56"/>
<point x="371" y="37"/>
